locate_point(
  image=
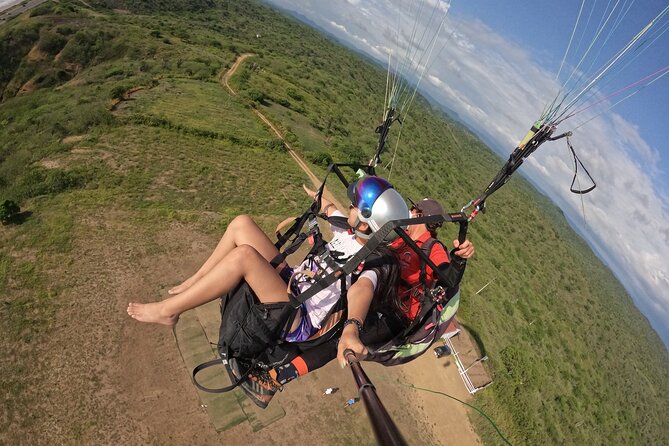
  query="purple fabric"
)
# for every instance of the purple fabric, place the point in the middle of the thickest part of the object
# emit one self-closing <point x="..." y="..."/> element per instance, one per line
<point x="304" y="330"/>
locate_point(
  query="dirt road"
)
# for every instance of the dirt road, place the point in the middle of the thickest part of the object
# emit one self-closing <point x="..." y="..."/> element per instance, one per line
<point x="315" y="181"/>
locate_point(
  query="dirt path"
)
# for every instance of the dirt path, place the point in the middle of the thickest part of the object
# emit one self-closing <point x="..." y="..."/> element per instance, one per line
<point x="224" y="78"/>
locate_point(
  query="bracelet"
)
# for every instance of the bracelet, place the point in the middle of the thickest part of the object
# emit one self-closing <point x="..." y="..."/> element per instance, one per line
<point x="353" y="321"/>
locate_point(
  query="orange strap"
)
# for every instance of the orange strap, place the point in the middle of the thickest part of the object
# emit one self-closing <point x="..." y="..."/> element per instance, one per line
<point x="300" y="366"/>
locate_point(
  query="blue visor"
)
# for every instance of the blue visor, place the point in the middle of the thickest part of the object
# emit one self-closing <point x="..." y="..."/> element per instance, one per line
<point x="365" y="191"/>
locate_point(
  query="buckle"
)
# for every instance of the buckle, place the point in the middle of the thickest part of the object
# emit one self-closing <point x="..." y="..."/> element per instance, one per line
<point x="437" y="294"/>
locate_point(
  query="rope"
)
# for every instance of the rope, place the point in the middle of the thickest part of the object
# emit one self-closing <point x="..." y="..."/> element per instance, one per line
<point x="571" y="38"/>
<point x="636" y="42"/>
<point x="654" y="76"/>
<point x="483" y="414"/>
<point x="392" y="161"/>
<point x="582" y="84"/>
<point x="621" y="100"/>
<point x="578" y="182"/>
<point x="416" y="58"/>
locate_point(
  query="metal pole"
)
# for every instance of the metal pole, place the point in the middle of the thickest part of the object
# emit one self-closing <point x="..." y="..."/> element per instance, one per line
<point x="484" y="358"/>
<point x="384" y="427"/>
<point x="484" y="286"/>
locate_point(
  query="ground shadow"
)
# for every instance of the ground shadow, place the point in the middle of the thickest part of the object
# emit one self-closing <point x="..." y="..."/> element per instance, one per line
<point x="477" y="338"/>
<point x="18" y="219"/>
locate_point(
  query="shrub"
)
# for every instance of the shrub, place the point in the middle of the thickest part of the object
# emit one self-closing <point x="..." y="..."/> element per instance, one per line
<point x="276" y="145"/>
<point x="65" y="30"/>
<point x="294" y="94"/>
<point x="50" y="42"/>
<point x="256" y="95"/>
<point x="9" y="210"/>
<point x="117" y="92"/>
<point x="14" y="45"/>
<point x="38" y="182"/>
<point x="87" y="46"/>
<point x="321" y="159"/>
<point x="282" y="101"/>
<point x="43" y="9"/>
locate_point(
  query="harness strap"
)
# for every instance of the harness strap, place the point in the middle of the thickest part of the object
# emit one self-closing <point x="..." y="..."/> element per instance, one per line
<point x="427" y="249"/>
<point x="206" y="365"/>
<point x="427" y="304"/>
<point x="220" y="361"/>
<point x="577" y="161"/>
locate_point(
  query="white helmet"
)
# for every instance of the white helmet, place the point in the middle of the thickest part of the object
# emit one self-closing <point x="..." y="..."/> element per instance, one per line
<point x="378" y="204"/>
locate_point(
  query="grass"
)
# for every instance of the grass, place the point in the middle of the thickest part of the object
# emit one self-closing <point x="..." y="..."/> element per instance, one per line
<point x="573" y="361"/>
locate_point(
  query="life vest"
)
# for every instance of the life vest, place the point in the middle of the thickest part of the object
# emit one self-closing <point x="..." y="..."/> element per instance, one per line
<point x="412" y="287"/>
<point x="438" y="307"/>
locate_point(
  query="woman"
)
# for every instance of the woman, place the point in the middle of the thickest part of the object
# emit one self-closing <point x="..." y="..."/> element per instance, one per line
<point x="244" y="254"/>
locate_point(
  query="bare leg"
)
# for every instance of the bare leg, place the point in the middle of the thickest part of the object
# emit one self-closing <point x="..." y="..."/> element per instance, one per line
<point x="242" y="263"/>
<point x="242" y="230"/>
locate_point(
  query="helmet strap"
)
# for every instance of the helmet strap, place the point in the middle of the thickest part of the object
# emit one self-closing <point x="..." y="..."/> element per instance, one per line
<point x="358" y="233"/>
<point x="362" y="235"/>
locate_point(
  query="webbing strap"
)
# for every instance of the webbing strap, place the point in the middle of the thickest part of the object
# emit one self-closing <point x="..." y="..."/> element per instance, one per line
<point x="426" y="247"/>
<point x="577" y="161"/>
<point x="540" y="135"/>
<point x="354" y="261"/>
<point x="213" y="362"/>
<point x="206" y="365"/>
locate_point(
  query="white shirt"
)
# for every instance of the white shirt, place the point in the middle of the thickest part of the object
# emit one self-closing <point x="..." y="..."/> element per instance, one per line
<point x="343" y="245"/>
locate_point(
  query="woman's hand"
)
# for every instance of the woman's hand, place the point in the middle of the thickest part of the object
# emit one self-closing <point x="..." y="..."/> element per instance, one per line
<point x="350" y="339"/>
<point x="464" y="250"/>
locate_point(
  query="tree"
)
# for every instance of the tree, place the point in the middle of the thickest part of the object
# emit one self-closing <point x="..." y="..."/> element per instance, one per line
<point x="256" y="95"/>
<point x="9" y="210"/>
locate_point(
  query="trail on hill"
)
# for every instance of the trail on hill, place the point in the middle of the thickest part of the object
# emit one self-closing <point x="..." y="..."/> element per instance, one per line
<point x="224" y="78"/>
<point x="226" y="75"/>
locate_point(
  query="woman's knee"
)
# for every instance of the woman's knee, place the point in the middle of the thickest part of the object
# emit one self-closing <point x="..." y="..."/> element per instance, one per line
<point x="245" y="255"/>
<point x="242" y="221"/>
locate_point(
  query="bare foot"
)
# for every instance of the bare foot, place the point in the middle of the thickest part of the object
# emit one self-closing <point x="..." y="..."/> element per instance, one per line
<point x="183" y="286"/>
<point x="152" y="313"/>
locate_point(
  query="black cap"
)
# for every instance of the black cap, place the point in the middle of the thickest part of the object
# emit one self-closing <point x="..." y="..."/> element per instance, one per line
<point x="428" y="207"/>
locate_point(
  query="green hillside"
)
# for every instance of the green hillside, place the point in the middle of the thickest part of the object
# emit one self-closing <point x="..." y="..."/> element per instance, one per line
<point x="112" y="114"/>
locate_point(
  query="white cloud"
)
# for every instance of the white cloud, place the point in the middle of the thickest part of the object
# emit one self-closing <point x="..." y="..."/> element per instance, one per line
<point x="441" y="5"/>
<point x="629" y="135"/>
<point x="338" y="26"/>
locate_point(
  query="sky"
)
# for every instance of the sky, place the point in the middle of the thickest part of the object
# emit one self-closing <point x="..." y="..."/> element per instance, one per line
<point x="498" y="64"/>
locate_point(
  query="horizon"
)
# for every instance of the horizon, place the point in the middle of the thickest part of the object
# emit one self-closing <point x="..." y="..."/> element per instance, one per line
<point x="625" y="220"/>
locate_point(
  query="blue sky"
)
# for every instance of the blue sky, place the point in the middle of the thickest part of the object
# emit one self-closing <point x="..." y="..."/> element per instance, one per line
<point x="497" y="70"/>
